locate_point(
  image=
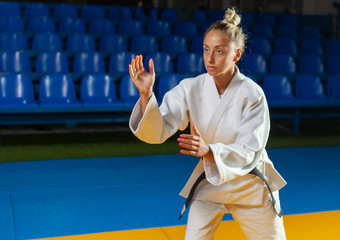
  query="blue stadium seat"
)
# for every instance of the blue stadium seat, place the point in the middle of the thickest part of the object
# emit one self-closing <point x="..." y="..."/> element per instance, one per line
<point x="285" y="46"/>
<point x="113" y="43"/>
<point x="52" y="62"/>
<point x="262" y="31"/>
<point x="35" y="9"/>
<point x="141" y="14"/>
<point x="9" y="9"/>
<point x="57" y="90"/>
<point x="197" y="44"/>
<point x="283" y="64"/>
<point x="41" y="24"/>
<point x="92" y="12"/>
<point x="216" y="15"/>
<point x="332" y="66"/>
<point x="310" y="89"/>
<point x="190" y="63"/>
<point x="174" y="45"/>
<point x="247" y="19"/>
<point x="166" y="83"/>
<point x="186" y="29"/>
<point x="118" y="13"/>
<point x="16" y="91"/>
<point x="286" y="31"/>
<point x="162" y="62"/>
<point x="266" y="18"/>
<point x="200" y="16"/>
<point x="279" y="91"/>
<point x="98" y="90"/>
<point x="333" y="87"/>
<point x="15" y="62"/>
<point x="158" y="29"/>
<point x="288" y="19"/>
<point x="88" y="62"/>
<point x="11" y="23"/>
<point x="311" y="46"/>
<point x="169" y="15"/>
<point x="332" y="47"/>
<point x="72" y="25"/>
<point x="130" y="27"/>
<point x="260" y="46"/>
<point x="142" y="44"/>
<point x="254" y="65"/>
<point x="64" y="10"/>
<point x="310" y="32"/>
<point x="101" y="26"/>
<point x="47" y="41"/>
<point x="311" y="64"/>
<point x="119" y="62"/>
<point x="80" y="42"/>
<point x="13" y="40"/>
<point x="129" y="94"/>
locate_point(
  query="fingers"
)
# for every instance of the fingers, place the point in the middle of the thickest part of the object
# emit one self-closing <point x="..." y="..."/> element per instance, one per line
<point x="194" y="129"/>
<point x="151" y="67"/>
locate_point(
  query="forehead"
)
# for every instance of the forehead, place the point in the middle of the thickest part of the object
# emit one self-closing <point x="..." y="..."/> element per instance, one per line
<point x="216" y="38"/>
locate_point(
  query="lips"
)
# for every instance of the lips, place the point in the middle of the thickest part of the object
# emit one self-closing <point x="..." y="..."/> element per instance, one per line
<point x="211" y="68"/>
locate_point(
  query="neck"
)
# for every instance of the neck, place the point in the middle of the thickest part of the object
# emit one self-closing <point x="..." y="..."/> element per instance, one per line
<point x="222" y="81"/>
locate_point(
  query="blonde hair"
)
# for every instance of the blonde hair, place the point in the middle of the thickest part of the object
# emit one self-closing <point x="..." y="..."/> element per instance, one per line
<point x="230" y="25"/>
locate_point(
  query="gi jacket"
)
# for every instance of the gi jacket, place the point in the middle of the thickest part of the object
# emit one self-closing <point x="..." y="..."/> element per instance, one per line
<point x="235" y="125"/>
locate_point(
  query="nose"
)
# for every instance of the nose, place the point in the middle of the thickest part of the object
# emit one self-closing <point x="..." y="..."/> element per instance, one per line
<point x="211" y="57"/>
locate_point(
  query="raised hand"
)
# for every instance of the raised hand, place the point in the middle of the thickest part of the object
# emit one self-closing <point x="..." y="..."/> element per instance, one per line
<point x="195" y="144"/>
<point x="142" y="79"/>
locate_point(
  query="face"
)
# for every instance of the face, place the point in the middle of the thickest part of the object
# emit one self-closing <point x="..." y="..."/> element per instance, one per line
<point x="219" y="54"/>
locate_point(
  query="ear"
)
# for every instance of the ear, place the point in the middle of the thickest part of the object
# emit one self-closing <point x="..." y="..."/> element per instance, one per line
<point x="238" y="55"/>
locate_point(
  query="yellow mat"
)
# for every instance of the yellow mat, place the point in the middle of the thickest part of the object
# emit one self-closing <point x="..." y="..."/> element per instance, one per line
<point x="311" y="226"/>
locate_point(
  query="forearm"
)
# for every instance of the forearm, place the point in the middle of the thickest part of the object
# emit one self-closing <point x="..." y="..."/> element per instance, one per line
<point x="144" y="100"/>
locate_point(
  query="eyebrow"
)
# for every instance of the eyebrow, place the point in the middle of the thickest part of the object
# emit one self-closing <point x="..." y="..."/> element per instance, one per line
<point x="221" y="45"/>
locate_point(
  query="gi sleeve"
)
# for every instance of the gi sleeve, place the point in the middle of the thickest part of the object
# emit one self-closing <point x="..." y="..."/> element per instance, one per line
<point x="159" y="123"/>
<point x="239" y="158"/>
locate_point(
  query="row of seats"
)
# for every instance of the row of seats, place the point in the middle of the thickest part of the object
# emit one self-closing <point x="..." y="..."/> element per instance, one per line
<point x="93" y="62"/>
<point x="256" y="65"/>
<point x="58" y="90"/>
<point x="109" y="43"/>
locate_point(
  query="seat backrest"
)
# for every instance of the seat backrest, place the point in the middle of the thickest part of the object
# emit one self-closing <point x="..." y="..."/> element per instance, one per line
<point x="286" y="31"/>
<point x="197" y="44"/>
<point x="216" y="15"/>
<point x="88" y="62"/>
<point x="47" y="41"/>
<point x="129" y="94"/>
<point x="288" y="19"/>
<point x="186" y="29"/>
<point x="15" y="61"/>
<point x="98" y="88"/>
<point x="119" y="13"/>
<point x="92" y="11"/>
<point x="11" y="23"/>
<point x="309" y="87"/>
<point x="266" y="18"/>
<point x="113" y="43"/>
<point x="200" y="16"/>
<point x="311" y="46"/>
<point x="259" y="46"/>
<point x="333" y="65"/>
<point x="119" y="62"/>
<point x="282" y="64"/>
<point x="130" y="27"/>
<point x="169" y="15"/>
<point x="310" y="32"/>
<point x="262" y="31"/>
<point x="41" y="24"/>
<point x="52" y="62"/>
<point x="158" y="28"/>
<point x="72" y="25"/>
<point x="166" y="83"/>
<point x="310" y="64"/>
<point x="64" y="10"/>
<point x="332" y="47"/>
<point x="16" y="89"/>
<point x="142" y="44"/>
<point x="277" y="87"/>
<point x="333" y="87"/>
<point x="9" y="9"/>
<point x="253" y="64"/>
<point x="285" y="46"/>
<point x="80" y="42"/>
<point x="13" y="40"/>
<point x="35" y="9"/>
<point x="162" y="62"/>
<point x="57" y="88"/>
<point x="174" y="44"/>
<point x="190" y="63"/>
<point x="101" y="26"/>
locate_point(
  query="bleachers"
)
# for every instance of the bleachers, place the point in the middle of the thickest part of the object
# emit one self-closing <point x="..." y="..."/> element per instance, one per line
<point x="86" y="42"/>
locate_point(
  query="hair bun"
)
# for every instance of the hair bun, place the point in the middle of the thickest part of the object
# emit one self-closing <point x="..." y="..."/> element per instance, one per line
<point x="231" y="17"/>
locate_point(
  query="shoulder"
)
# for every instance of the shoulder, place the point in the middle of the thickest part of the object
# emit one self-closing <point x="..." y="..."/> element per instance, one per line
<point x="250" y="88"/>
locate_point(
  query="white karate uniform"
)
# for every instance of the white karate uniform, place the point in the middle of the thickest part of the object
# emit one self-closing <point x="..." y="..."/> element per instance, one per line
<point x="236" y="127"/>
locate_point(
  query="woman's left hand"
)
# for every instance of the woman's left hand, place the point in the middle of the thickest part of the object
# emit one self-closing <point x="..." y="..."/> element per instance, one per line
<point x="195" y="144"/>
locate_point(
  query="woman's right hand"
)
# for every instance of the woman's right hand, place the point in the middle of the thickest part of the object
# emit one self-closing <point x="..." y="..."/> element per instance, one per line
<point x="142" y="79"/>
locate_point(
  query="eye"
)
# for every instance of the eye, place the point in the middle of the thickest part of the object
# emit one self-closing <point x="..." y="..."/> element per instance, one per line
<point x="206" y="50"/>
<point x="219" y="51"/>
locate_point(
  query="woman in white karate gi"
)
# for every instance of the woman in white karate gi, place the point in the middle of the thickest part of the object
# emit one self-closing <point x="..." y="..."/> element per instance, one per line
<point x="230" y="124"/>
